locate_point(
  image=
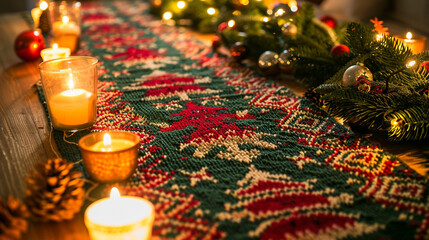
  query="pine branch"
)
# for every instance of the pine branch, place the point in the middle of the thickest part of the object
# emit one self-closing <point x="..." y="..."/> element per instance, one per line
<point x="409" y="124"/>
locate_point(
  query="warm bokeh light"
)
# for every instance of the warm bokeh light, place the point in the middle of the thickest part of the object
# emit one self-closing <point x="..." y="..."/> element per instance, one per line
<point x="293" y="6"/>
<point x="265" y="19"/>
<point x="157" y="3"/>
<point x="280" y="12"/>
<point x="43" y="5"/>
<point x="411" y="64"/>
<point x="211" y="11"/>
<point x="244" y="2"/>
<point x="167" y="15"/>
<point x="231" y="23"/>
<point x="181" y="4"/>
<point x="236" y="13"/>
<point x="54" y="46"/>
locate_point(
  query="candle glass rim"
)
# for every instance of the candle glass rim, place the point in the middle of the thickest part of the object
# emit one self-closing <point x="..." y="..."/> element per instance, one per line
<point x="73" y="58"/>
<point x="85" y="147"/>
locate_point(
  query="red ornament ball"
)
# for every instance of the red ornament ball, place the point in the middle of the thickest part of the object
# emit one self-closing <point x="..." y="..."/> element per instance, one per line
<point x="238" y="51"/>
<point x="339" y="50"/>
<point x="216" y="43"/>
<point x="328" y="20"/>
<point x="29" y="44"/>
<point x="222" y="26"/>
<point x="425" y="64"/>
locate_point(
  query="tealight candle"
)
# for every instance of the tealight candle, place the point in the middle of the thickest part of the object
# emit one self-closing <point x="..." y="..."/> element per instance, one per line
<point x="70" y="88"/>
<point x="54" y="52"/>
<point x="67" y="33"/>
<point x="110" y="156"/>
<point x="120" y="217"/>
<point x="72" y="107"/>
<point x="416" y="43"/>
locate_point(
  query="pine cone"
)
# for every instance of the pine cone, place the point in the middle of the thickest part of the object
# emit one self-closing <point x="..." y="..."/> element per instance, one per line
<point x="44" y="23"/>
<point x="12" y="219"/>
<point x="54" y="192"/>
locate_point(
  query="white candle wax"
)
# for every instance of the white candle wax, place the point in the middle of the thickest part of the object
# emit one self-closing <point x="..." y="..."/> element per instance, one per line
<point x="54" y="52"/>
<point x="119" y="218"/>
<point x="72" y="107"/>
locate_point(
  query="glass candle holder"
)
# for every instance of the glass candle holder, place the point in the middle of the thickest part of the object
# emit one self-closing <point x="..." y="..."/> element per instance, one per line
<point x="120" y="217"/>
<point x="70" y="88"/>
<point x="109" y="156"/>
<point x="416" y="43"/>
<point x="65" y="21"/>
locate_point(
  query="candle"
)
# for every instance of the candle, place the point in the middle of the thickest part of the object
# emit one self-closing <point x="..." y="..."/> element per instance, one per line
<point x="54" y="52"/>
<point x="110" y="156"/>
<point x="37" y="12"/>
<point x="72" y="108"/>
<point x="67" y="33"/>
<point x="120" y="217"/>
<point x="70" y="89"/>
<point x="416" y="43"/>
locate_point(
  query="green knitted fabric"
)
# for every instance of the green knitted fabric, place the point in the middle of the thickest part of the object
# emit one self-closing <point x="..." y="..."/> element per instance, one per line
<point x="227" y="154"/>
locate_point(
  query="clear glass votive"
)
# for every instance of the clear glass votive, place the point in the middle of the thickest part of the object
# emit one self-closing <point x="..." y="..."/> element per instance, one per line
<point x="109" y="159"/>
<point x="65" y="19"/>
<point x="70" y="88"/>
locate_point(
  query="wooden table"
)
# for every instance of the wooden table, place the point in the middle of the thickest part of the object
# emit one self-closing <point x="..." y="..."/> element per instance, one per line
<point x="25" y="133"/>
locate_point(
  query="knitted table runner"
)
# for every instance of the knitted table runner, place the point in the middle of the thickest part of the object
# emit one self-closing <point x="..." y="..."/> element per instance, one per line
<point x="227" y="154"/>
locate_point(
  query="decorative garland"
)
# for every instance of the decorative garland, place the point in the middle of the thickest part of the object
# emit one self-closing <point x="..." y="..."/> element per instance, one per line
<point x="355" y="71"/>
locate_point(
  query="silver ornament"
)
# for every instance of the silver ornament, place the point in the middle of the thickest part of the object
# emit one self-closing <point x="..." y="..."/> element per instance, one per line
<point x="289" y="29"/>
<point x="268" y="62"/>
<point x="285" y="63"/>
<point x="352" y="74"/>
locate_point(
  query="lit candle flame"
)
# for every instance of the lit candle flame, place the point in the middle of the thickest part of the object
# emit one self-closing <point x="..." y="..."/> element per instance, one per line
<point x="71" y="84"/>
<point x="65" y="19"/>
<point x="107" y="140"/>
<point x="43" y="5"/>
<point x="55" y="47"/>
<point x="409" y="35"/>
<point x="114" y="194"/>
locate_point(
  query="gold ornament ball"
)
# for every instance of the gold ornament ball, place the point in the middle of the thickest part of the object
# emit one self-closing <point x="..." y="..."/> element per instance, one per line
<point x="268" y="63"/>
<point x="285" y="62"/>
<point x="289" y="29"/>
<point x="352" y="74"/>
